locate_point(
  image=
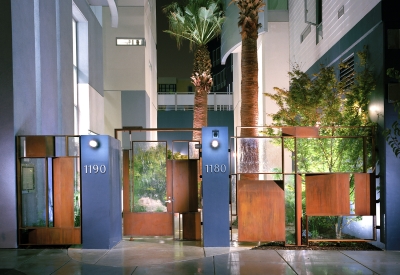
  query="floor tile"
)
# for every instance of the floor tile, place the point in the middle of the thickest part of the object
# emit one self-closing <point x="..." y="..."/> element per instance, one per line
<point x="10" y="258"/>
<point x="89" y="256"/>
<point x="313" y="256"/>
<point x="252" y="268"/>
<point x="330" y="268"/>
<point x="45" y="262"/>
<point x="250" y="256"/>
<point x="193" y="267"/>
<point x="73" y="267"/>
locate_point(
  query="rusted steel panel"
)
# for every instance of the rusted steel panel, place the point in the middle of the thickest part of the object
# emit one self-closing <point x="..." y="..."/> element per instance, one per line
<point x="181" y="186"/>
<point x="365" y="198"/>
<point x="300" y="131"/>
<point x="193" y="186"/>
<point x="328" y="195"/>
<point x="39" y="146"/>
<point x="148" y="224"/>
<point x="261" y="210"/>
<point x="63" y="187"/>
<point x="191" y="223"/>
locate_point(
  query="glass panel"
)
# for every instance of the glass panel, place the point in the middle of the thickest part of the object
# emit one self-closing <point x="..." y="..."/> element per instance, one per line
<point x="77" y="194"/>
<point x="340" y="227"/>
<point x="329" y="155"/>
<point x="259" y="155"/>
<point x="73" y="146"/>
<point x="179" y="150"/>
<point x="193" y="152"/>
<point x="22" y="147"/>
<point x="60" y="147"/>
<point x="33" y="192"/>
<point x="50" y="191"/>
<point x="149" y="190"/>
<point x="290" y="209"/>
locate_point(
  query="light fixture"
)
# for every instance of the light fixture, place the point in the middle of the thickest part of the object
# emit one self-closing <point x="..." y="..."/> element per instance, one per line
<point x="93" y="143"/>
<point x="130" y="41"/>
<point x="214" y="143"/>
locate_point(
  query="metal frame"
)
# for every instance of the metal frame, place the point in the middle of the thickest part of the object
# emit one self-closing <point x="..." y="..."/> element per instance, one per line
<point x="371" y="136"/>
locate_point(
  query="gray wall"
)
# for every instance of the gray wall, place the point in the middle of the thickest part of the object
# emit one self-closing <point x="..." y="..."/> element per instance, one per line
<point x="8" y="217"/>
<point x="135" y="112"/>
<point x="36" y="89"/>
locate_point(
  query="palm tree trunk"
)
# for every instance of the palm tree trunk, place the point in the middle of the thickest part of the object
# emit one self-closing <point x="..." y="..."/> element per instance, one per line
<point x="202" y="80"/>
<point x="249" y="105"/>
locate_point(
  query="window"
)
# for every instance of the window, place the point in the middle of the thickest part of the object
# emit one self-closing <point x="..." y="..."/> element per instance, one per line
<point x="166" y="88"/>
<point x="393" y="39"/>
<point x="216" y="57"/>
<point x="347" y="72"/>
<point x="305" y="33"/>
<point x="340" y="12"/>
<point x="75" y="68"/>
<point x="319" y="20"/>
<point x="131" y="42"/>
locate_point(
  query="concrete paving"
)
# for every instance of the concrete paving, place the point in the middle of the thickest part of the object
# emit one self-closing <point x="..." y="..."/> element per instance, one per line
<point x="165" y="256"/>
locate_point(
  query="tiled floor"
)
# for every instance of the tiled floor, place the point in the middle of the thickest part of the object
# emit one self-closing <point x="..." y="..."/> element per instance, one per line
<point x="164" y="256"/>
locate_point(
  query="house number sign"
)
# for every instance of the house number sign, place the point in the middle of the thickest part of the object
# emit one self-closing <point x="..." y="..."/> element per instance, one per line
<point x="95" y="169"/>
<point x="216" y="168"/>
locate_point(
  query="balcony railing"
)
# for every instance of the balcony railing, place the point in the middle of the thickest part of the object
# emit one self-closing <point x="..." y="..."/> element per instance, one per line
<point x="184" y="101"/>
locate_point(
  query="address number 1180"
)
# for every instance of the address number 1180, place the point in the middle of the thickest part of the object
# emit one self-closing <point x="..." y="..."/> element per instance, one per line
<point x="216" y="168"/>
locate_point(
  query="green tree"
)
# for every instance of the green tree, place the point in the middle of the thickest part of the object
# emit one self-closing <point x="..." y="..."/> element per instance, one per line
<point x="324" y="101"/>
<point x="248" y="23"/>
<point x="149" y="174"/>
<point x="199" y="22"/>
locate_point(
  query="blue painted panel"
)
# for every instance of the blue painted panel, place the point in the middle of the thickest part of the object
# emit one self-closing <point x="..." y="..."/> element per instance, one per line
<point x="215" y="174"/>
<point x="101" y="193"/>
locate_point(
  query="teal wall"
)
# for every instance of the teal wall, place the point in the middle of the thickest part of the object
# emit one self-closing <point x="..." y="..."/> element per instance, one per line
<point x="184" y="119"/>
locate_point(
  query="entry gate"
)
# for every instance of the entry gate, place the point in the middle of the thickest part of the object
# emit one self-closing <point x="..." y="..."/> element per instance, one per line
<point x="161" y="184"/>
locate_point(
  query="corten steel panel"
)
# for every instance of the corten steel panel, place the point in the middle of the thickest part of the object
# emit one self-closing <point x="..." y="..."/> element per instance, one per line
<point x="193" y="186"/>
<point x="261" y="210"/>
<point x="191" y="223"/>
<point x="148" y="224"/>
<point x="300" y="131"/>
<point x="63" y="187"/>
<point x="39" y="146"/>
<point x="180" y="178"/>
<point x="184" y="185"/>
<point x="126" y="180"/>
<point x="365" y="198"/>
<point x="327" y="195"/>
<point x="298" y="206"/>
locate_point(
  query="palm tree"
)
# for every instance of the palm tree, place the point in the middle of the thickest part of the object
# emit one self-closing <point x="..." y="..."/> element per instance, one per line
<point x="248" y="22"/>
<point x="199" y="21"/>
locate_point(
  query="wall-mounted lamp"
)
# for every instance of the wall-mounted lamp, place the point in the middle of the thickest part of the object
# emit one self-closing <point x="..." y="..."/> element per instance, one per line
<point x="214" y="141"/>
<point x="94" y="143"/>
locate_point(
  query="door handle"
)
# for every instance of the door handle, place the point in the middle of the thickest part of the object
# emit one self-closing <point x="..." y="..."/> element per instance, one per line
<point x="169" y="200"/>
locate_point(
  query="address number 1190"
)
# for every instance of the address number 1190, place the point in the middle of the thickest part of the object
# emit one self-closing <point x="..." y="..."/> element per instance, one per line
<point x="216" y="168"/>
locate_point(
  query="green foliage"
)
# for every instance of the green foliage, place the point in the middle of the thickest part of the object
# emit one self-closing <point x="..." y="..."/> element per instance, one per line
<point x="176" y="155"/>
<point x="149" y="173"/>
<point x="198" y="21"/>
<point x="392" y="135"/>
<point x="323" y="101"/>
